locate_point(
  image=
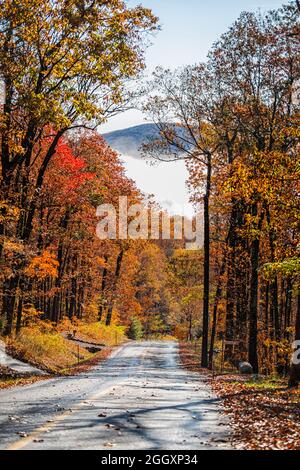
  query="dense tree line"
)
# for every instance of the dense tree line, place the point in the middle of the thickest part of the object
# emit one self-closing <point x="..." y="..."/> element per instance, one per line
<point x="235" y="120"/>
<point x="66" y="67"/>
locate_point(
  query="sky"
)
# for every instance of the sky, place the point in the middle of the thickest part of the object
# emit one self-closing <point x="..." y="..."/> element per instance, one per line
<point x="188" y="30"/>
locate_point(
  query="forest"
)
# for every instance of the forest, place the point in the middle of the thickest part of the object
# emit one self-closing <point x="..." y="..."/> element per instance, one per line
<point x="67" y="67"/>
<point x="235" y="120"/>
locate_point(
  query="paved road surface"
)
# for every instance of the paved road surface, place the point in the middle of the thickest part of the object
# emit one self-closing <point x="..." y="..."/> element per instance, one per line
<point x="140" y="398"/>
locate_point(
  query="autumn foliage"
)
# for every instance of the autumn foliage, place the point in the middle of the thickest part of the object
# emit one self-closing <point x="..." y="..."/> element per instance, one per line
<point x="65" y="67"/>
<point x="235" y="120"/>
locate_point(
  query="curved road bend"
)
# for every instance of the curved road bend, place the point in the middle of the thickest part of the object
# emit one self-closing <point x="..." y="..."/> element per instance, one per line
<point x="140" y="398"/>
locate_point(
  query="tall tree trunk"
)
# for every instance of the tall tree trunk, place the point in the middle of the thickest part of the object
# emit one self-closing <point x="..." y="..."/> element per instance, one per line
<point x="205" y="324"/>
<point x="295" y="368"/>
<point x="72" y="308"/>
<point x="274" y="311"/>
<point x="230" y="297"/>
<point x="253" y="307"/>
<point x="274" y="307"/>
<point x="55" y="316"/>
<point x="215" y="313"/>
<point x="9" y="301"/>
<point x="116" y="278"/>
<point x="288" y="308"/>
<point x="267" y="291"/>
<point x="241" y="308"/>
<point x="230" y="286"/>
<point x="19" y="314"/>
<point x="103" y="286"/>
<point x="253" y="358"/>
<point x="79" y="311"/>
<point x="22" y="288"/>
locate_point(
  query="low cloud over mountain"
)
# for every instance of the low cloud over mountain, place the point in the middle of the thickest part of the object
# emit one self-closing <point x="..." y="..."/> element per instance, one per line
<point x="128" y="141"/>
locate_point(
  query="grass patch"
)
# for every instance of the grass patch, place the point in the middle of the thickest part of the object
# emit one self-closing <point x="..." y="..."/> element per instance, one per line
<point x="47" y="350"/>
<point x="100" y="334"/>
<point x="265" y="383"/>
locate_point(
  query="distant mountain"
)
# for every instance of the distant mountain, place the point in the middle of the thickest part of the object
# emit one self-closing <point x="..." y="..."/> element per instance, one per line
<point x="128" y="141"/>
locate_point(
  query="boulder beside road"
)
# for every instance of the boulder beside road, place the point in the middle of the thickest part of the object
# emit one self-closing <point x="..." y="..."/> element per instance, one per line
<point x="245" y="368"/>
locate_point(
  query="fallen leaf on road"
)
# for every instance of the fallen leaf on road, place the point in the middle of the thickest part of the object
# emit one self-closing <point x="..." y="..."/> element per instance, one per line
<point x="109" y="444"/>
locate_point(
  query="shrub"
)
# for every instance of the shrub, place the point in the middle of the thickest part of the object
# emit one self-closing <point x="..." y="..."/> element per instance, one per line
<point x="135" y="330"/>
<point x="101" y="334"/>
<point x="45" y="349"/>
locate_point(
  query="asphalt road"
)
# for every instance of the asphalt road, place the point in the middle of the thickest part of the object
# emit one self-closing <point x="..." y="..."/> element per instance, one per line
<point x="140" y="398"/>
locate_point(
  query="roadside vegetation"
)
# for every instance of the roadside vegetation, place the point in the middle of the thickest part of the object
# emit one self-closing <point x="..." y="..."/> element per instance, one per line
<point x="64" y="72"/>
<point x="262" y="411"/>
<point x="234" y="119"/>
<point x="57" y="350"/>
<point x="9" y="378"/>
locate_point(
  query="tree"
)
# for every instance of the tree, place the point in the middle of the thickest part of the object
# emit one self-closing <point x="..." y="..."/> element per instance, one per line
<point x="260" y="93"/>
<point x="235" y="121"/>
<point x="64" y="66"/>
<point x="295" y="368"/>
<point x="135" y="331"/>
<point x="180" y="110"/>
